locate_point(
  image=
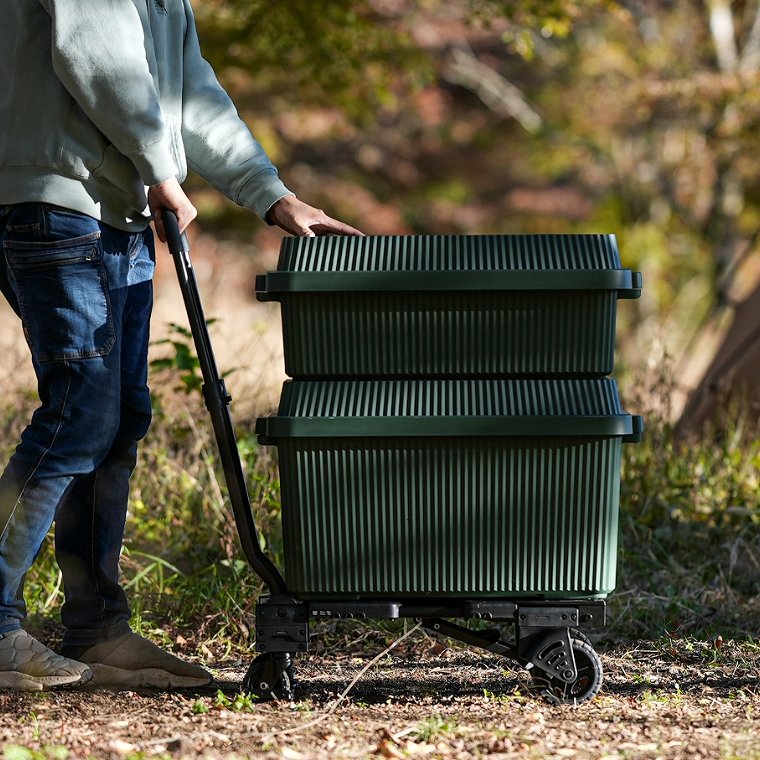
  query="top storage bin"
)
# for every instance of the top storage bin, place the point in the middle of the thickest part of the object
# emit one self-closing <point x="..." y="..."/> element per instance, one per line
<point x="449" y="305"/>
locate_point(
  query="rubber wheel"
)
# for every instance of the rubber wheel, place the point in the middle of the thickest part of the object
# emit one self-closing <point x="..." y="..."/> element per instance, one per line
<point x="576" y="634"/>
<point x="585" y="687"/>
<point x="268" y="680"/>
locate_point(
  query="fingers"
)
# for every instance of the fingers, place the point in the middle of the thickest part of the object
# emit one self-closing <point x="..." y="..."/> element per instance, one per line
<point x="170" y="195"/>
<point x="185" y="214"/>
<point x="298" y="218"/>
<point x="326" y="225"/>
<point x="334" y="227"/>
<point x="158" y="223"/>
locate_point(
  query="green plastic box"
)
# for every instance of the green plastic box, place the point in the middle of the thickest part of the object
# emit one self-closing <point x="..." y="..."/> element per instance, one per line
<point x="449" y="305"/>
<point x="477" y="488"/>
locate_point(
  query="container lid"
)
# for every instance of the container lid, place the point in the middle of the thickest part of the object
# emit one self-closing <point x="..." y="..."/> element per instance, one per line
<point x="449" y="262"/>
<point x="343" y="253"/>
<point x="405" y="408"/>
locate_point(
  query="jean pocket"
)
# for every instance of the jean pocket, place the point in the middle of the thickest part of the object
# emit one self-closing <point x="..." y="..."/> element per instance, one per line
<point x="63" y="297"/>
<point x="38" y="223"/>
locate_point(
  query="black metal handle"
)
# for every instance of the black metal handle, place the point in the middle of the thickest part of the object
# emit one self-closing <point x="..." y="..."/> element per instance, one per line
<point x="176" y="240"/>
<point x="217" y="402"/>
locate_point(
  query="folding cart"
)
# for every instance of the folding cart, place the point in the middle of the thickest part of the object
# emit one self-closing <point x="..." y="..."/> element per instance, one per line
<point x="449" y="444"/>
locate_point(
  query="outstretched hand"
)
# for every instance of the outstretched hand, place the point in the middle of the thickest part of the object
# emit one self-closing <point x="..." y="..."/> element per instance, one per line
<point x="298" y="218"/>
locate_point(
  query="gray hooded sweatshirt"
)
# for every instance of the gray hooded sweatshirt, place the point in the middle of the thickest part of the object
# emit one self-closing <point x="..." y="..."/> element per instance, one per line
<point x="99" y="98"/>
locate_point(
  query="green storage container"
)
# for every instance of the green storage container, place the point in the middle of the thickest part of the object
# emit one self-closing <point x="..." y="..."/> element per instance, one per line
<point x="477" y="488"/>
<point x="449" y="305"/>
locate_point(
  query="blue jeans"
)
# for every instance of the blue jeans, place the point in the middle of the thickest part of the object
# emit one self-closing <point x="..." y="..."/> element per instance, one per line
<point x="84" y="294"/>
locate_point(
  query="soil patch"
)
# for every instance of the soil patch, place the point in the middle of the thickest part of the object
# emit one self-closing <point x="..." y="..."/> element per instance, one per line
<point x="675" y="698"/>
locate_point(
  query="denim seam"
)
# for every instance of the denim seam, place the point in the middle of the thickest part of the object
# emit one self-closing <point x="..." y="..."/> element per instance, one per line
<point x="42" y="457"/>
<point x="92" y="545"/>
<point x="44" y="245"/>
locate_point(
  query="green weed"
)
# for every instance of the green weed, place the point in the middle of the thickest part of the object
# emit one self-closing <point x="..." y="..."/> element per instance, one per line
<point x="182" y="360"/>
<point x="200" y="707"/>
<point x="435" y="728"/>
<point x="241" y="702"/>
<point x="17" y="752"/>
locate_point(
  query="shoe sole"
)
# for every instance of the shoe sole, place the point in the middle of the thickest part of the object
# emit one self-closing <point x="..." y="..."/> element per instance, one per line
<point x="12" y="679"/>
<point x="110" y="677"/>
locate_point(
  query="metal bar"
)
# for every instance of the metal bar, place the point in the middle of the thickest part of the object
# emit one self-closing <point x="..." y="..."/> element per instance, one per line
<point x="217" y="402"/>
<point x="489" y="640"/>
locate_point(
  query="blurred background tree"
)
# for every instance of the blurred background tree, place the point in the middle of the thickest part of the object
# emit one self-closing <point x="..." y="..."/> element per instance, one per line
<point x="630" y="116"/>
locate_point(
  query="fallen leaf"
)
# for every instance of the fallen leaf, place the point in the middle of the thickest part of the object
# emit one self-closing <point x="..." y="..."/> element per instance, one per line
<point x="412" y="748"/>
<point x="388" y="749"/>
<point x="121" y="747"/>
<point x="291" y="754"/>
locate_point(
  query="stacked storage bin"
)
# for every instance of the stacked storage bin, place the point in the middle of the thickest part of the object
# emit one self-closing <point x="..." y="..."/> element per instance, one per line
<point x="450" y="429"/>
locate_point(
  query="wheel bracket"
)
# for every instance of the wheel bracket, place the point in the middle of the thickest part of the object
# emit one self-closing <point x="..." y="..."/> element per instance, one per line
<point x="551" y="651"/>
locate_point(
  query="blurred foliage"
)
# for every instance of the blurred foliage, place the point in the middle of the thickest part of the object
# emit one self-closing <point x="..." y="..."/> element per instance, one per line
<point x="529" y="19"/>
<point x="342" y="54"/>
<point x="476" y="116"/>
<point x="181" y="359"/>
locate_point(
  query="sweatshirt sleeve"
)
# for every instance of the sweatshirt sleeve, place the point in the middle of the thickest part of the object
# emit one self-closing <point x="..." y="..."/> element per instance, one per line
<point x="112" y="82"/>
<point x="218" y="144"/>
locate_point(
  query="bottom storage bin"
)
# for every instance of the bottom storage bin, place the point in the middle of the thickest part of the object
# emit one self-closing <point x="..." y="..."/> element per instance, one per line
<point x="450" y="488"/>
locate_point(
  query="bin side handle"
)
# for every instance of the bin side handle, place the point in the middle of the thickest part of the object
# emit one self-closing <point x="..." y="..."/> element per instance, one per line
<point x="637" y="432"/>
<point x="637" y="283"/>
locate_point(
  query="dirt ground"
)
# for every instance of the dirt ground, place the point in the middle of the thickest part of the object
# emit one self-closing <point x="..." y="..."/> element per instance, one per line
<point x="669" y="699"/>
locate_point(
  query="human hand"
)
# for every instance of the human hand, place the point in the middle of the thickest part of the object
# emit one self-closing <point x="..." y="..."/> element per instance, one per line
<point x="298" y="218"/>
<point x="170" y="195"/>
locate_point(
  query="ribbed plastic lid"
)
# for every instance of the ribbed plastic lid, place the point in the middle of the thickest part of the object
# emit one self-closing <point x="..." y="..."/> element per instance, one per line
<point x="339" y="253"/>
<point x="468" y="398"/>
<point x="449" y="408"/>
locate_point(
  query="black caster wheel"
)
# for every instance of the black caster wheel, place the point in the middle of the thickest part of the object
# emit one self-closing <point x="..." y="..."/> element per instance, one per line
<point x="270" y="677"/>
<point x="576" y="634"/>
<point x="585" y="687"/>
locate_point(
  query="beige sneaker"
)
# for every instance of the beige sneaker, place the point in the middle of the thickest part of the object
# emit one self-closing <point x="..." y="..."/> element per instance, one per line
<point x="28" y="665"/>
<point x="132" y="662"/>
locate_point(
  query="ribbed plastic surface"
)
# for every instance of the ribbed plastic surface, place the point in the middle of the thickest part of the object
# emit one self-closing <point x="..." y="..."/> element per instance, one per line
<point x="449" y="334"/>
<point x="450" y="515"/>
<point x="553" y="319"/>
<point x="452" y="252"/>
<point x="415" y="398"/>
<point x="454" y="517"/>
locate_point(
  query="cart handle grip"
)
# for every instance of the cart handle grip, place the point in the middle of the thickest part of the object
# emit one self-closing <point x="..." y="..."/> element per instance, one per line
<point x="176" y="240"/>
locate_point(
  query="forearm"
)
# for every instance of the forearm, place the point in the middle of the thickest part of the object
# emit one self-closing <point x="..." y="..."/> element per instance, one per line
<point x="222" y="150"/>
<point x="218" y="144"/>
